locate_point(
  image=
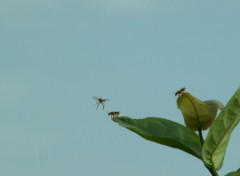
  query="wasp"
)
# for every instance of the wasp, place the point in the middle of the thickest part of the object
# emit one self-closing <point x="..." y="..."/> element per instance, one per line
<point x="114" y="114"/>
<point x="100" y="101"/>
<point x="179" y="92"/>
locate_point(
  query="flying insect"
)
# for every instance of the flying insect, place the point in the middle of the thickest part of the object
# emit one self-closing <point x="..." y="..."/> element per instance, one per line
<point x="100" y="101"/>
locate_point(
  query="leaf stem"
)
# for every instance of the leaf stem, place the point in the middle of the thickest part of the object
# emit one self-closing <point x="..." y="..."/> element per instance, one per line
<point x="212" y="170"/>
<point x="200" y="136"/>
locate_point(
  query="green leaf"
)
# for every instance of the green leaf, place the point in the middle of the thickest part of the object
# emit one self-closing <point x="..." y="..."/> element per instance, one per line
<point x="197" y="114"/>
<point x="233" y="174"/>
<point x="215" y="145"/>
<point x="214" y="106"/>
<point x="164" y="132"/>
<point x="237" y="173"/>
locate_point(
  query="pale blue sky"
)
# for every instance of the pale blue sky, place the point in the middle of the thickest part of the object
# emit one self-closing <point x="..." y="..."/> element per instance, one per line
<point x="55" y="55"/>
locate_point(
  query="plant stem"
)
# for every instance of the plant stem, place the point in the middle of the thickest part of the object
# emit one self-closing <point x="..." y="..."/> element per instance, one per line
<point x="200" y="136"/>
<point x="212" y="170"/>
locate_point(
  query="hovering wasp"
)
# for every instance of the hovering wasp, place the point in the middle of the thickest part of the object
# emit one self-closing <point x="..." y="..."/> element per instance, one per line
<point x="114" y="114"/>
<point x="179" y="92"/>
<point x="100" y="101"/>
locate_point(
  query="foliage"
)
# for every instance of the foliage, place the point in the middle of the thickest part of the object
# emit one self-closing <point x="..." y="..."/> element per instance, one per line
<point x="198" y="115"/>
<point x="218" y="136"/>
<point x="233" y="174"/>
<point x="161" y="131"/>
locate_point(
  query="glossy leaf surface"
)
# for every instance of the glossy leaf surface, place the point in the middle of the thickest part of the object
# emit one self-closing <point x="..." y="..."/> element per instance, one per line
<point x="215" y="145"/>
<point x="164" y="132"/>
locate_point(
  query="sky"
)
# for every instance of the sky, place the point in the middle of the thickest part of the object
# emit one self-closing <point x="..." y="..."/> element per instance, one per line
<point x="55" y="55"/>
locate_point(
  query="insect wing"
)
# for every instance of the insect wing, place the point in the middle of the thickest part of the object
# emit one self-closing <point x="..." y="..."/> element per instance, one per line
<point x="96" y="98"/>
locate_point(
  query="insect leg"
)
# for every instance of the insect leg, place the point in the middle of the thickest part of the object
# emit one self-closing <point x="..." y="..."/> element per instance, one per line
<point x="97" y="104"/>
